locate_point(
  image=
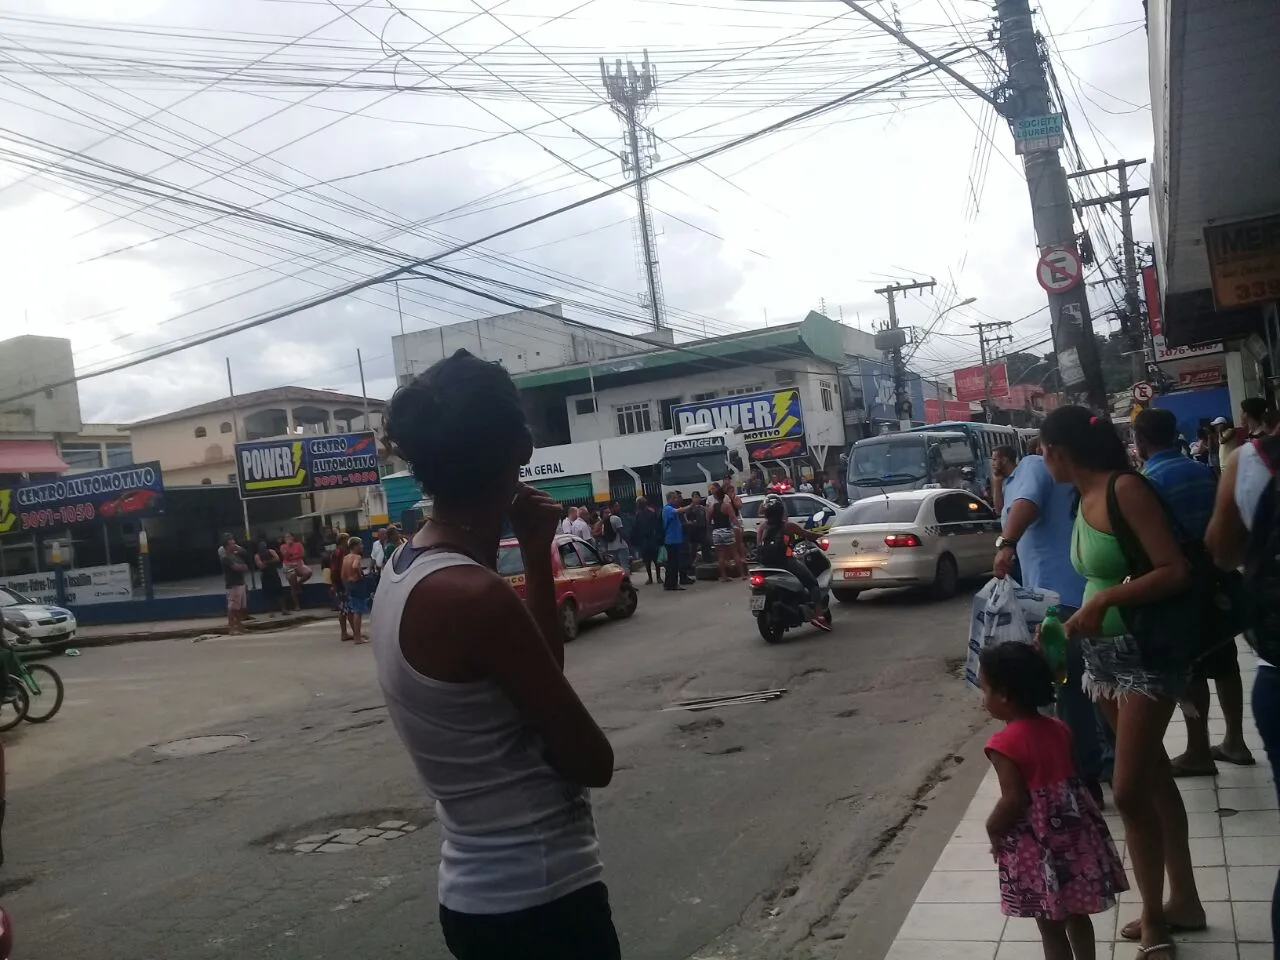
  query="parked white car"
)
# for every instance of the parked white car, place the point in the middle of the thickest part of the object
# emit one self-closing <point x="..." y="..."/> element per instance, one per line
<point x="911" y="538"/>
<point x="50" y="627"/>
<point x="801" y="507"/>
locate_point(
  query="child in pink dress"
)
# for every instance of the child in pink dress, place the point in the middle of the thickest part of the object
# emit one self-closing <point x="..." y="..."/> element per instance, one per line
<point x="1057" y="862"/>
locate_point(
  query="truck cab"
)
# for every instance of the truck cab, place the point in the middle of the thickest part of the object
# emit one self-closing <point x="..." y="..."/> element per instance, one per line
<point x="700" y="456"/>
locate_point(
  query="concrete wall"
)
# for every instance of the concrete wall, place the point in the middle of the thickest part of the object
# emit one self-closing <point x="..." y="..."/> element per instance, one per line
<point x="29" y="363"/>
<point x="520" y="341"/>
<point x="175" y="444"/>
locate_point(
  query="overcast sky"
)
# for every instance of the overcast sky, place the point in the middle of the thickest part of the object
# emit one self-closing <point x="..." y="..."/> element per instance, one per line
<point x="136" y="133"/>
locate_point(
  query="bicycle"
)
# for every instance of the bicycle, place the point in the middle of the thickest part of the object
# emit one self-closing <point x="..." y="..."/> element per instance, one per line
<point x="27" y="694"/>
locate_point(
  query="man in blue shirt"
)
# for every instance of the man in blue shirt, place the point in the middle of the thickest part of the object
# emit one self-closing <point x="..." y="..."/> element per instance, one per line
<point x="673" y="540"/>
<point x="1188" y="489"/>
<point x="1036" y="522"/>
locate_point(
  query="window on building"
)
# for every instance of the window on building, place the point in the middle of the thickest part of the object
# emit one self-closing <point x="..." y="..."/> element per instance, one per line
<point x="201" y="432"/>
<point x="82" y="456"/>
<point x="709" y="395"/>
<point x="742" y="391"/>
<point x="119" y="454"/>
<point x="231" y="479"/>
<point x="225" y="427"/>
<point x="206" y="482"/>
<point x="825" y="393"/>
<point x="633" y="418"/>
<point x="665" y="420"/>
<point x="585" y="406"/>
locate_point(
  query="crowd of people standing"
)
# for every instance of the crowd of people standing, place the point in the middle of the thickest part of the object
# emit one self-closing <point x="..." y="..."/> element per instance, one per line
<point x="1120" y="546"/>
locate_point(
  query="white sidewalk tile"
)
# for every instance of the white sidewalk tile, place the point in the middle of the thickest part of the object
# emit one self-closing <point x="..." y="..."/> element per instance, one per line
<point x="1234" y="826"/>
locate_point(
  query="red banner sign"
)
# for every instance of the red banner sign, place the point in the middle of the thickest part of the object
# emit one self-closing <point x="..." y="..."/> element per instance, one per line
<point x="938" y="411"/>
<point x="971" y="383"/>
<point x="1203" y="377"/>
<point x="1151" y="290"/>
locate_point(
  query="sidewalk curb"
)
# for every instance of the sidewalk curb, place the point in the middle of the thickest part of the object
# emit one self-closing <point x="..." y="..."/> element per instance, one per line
<point x="183" y="633"/>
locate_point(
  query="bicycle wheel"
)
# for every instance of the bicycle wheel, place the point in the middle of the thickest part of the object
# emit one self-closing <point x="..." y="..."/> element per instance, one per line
<point x="15" y="706"/>
<point x="47" y="700"/>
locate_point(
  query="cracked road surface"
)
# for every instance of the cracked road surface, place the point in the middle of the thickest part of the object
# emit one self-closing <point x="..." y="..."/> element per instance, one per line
<point x="732" y="832"/>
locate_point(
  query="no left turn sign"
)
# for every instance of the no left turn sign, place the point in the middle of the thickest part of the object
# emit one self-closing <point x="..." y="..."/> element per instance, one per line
<point x="1058" y="270"/>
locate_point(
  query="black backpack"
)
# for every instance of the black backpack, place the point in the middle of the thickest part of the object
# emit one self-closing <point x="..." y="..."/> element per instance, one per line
<point x="1262" y="562"/>
<point x="773" y="545"/>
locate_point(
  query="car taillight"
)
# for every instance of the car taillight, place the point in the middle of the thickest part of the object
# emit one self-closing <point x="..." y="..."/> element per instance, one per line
<point x="902" y="540"/>
<point x="824" y="543"/>
<point x="757" y="579"/>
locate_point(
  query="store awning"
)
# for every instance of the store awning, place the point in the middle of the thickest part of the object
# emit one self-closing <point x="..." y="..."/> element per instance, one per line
<point x="30" y="456"/>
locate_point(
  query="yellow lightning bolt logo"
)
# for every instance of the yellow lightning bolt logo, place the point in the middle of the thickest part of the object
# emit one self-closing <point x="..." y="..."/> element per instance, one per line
<point x="784" y="421"/>
<point x="8" y="519"/>
<point x="298" y="479"/>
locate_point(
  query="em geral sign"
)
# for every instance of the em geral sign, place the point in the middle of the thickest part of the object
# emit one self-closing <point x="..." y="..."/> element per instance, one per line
<point x="1244" y="262"/>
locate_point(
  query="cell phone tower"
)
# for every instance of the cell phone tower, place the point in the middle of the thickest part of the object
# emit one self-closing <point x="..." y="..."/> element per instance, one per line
<point x="630" y="93"/>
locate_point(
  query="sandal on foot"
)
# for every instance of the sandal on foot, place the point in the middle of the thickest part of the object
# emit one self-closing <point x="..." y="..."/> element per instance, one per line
<point x="1156" y="948"/>
<point x="1183" y="769"/>
<point x="1239" y="759"/>
<point x="1133" y="929"/>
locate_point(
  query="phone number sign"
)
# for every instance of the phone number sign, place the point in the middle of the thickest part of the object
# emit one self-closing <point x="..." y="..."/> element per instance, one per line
<point x="269" y="468"/>
<point x="113" y="494"/>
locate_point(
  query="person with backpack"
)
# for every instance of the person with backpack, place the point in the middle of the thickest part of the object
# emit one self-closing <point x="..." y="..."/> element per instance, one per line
<point x="1245" y="529"/>
<point x="777" y="539"/>
<point x="1123" y="544"/>
<point x="1189" y="488"/>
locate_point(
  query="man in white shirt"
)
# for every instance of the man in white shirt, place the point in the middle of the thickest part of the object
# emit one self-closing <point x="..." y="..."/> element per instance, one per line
<point x="378" y="553"/>
<point x="566" y="525"/>
<point x="580" y="527"/>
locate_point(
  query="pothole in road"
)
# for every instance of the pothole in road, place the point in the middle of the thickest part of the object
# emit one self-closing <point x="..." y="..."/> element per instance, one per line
<point x="345" y="833"/>
<point x="199" y="746"/>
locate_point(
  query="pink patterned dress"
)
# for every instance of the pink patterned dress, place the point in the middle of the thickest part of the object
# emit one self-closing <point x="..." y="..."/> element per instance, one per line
<point x="1058" y="860"/>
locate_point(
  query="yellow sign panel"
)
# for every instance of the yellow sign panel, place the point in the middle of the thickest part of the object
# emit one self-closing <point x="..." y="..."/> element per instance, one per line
<point x="1244" y="262"/>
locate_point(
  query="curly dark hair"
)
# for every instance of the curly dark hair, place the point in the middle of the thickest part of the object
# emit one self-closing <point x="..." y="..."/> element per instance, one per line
<point x="457" y="425"/>
<point x="1020" y="673"/>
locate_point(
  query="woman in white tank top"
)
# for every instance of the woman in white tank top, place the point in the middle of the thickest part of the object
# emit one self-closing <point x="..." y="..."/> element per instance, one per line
<point x="475" y="687"/>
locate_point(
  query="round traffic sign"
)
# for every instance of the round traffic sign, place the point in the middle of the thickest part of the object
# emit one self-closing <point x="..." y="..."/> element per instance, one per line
<point x="1058" y="270"/>
<point x="1143" y="391"/>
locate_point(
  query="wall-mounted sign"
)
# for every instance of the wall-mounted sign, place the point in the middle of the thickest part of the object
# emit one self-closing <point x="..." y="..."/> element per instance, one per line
<point x="1244" y="262"/>
<point x="971" y="382"/>
<point x="1037" y="134"/>
<point x="269" y="468"/>
<point x="771" y="423"/>
<point x="1166" y="353"/>
<point x="1200" y="377"/>
<point x="82" y="585"/>
<point x="116" y="493"/>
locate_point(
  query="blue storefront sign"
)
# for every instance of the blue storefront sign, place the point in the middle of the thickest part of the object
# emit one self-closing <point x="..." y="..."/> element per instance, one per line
<point x="269" y="468"/>
<point x="112" y="494"/>
<point x="878" y="398"/>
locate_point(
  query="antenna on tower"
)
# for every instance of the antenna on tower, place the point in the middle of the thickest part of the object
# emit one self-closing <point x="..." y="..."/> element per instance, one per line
<point x="630" y="93"/>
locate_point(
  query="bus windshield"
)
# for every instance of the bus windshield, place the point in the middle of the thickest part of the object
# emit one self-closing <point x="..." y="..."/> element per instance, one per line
<point x="898" y="459"/>
<point x="686" y="468"/>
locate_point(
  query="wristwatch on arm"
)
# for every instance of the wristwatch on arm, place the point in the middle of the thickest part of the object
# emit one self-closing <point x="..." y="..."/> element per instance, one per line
<point x="1003" y="543"/>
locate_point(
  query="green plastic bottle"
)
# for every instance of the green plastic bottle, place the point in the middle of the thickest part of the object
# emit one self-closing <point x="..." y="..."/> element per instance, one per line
<point x="1053" y="642"/>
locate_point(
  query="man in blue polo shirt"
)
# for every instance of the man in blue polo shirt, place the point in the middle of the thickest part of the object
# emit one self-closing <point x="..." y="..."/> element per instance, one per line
<point x="1035" y="532"/>
<point x="1188" y="489"/>
<point x="673" y="541"/>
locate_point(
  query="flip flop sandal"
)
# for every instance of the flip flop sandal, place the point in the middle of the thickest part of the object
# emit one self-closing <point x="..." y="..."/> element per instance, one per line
<point x="1132" y="931"/>
<point x="1219" y="754"/>
<point x="1181" y="771"/>
<point x="1156" y="948"/>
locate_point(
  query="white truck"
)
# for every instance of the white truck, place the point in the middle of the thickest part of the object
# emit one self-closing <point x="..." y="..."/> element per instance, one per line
<point x="701" y="455"/>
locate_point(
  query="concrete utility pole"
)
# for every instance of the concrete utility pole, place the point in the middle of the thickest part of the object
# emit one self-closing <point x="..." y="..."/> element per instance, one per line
<point x="629" y="94"/>
<point x="1025" y="97"/>
<point x="1132" y="304"/>
<point x="985" y="337"/>
<point x="894" y="339"/>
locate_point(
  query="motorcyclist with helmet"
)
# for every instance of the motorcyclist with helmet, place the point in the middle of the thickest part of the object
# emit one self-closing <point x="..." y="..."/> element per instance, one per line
<point x="776" y="547"/>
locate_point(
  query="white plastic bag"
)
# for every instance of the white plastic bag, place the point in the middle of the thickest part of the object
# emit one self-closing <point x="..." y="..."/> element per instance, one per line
<point x="1002" y="612"/>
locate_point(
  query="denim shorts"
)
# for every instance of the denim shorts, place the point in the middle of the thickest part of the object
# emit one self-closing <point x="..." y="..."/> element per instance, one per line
<point x="1114" y="667"/>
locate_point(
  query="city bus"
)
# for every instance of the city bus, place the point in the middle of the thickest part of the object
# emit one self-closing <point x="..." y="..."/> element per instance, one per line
<point x="911" y="460"/>
<point x="700" y="456"/>
<point x="983" y="440"/>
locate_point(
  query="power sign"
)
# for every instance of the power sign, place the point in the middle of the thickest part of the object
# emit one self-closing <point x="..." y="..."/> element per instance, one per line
<point x="269" y="468"/>
<point x="771" y="423"/>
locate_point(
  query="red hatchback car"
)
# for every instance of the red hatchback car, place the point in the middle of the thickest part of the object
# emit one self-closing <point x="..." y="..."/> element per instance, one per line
<point x="587" y="583"/>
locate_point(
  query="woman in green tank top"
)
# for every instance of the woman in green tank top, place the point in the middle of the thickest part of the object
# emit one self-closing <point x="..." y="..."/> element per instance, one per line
<point x="1136" y="694"/>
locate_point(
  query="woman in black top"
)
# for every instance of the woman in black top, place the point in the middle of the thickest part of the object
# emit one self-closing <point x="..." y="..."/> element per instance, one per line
<point x="268" y="563"/>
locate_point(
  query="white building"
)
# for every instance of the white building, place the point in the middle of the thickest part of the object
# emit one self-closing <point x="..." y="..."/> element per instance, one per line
<point x="521" y="341"/>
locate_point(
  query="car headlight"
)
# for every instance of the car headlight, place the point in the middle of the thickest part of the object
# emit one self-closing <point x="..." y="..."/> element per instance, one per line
<point x="18" y="619"/>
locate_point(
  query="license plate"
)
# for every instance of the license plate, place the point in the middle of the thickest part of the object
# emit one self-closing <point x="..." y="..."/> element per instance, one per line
<point x="757" y="604"/>
<point x="857" y="574"/>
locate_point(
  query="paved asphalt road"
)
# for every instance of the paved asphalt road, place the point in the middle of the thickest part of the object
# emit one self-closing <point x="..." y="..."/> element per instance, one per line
<point x="736" y="832"/>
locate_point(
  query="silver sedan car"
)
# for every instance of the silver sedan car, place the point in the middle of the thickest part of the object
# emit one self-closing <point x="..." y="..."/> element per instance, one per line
<point x="913" y="538"/>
